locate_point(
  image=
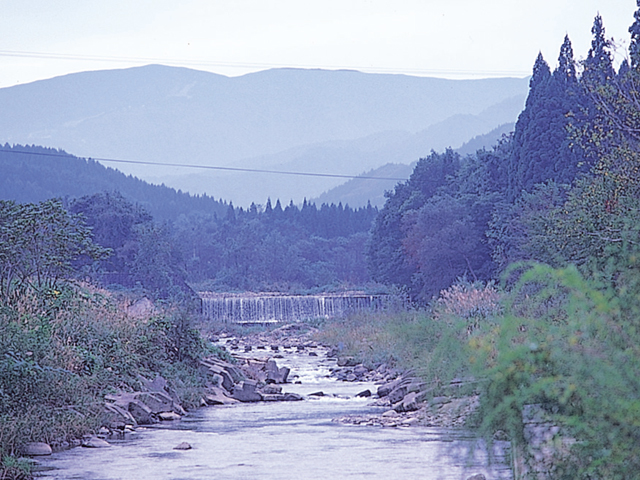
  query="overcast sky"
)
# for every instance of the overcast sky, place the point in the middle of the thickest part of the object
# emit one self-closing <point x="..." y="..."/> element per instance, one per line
<point x="442" y="38"/>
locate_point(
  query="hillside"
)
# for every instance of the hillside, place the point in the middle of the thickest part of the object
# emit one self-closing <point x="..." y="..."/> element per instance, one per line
<point x="177" y="115"/>
<point x="34" y="174"/>
<point x="358" y="191"/>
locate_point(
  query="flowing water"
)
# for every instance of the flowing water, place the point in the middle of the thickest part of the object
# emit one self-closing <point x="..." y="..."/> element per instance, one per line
<point x="286" y="440"/>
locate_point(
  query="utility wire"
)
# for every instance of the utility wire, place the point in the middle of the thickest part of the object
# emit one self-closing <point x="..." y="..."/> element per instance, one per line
<point x="208" y="167"/>
<point x="207" y="63"/>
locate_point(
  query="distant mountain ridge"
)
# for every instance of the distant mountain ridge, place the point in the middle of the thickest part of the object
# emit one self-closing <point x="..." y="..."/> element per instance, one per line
<point x="358" y="192"/>
<point x="178" y="115"/>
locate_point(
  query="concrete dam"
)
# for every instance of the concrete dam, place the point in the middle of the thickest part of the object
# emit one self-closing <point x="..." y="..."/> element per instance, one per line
<point x="276" y="307"/>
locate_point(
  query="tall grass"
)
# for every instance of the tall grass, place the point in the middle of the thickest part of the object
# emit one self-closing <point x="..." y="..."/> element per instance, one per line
<point x="433" y="343"/>
<point x="61" y="351"/>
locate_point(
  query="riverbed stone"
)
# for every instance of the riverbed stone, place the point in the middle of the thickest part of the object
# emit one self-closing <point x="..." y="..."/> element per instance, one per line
<point x="95" y="442"/>
<point x="169" y="416"/>
<point x="477" y="476"/>
<point x="292" y="397"/>
<point x="183" y="446"/>
<point x="156" y="401"/>
<point x="364" y="393"/>
<point x="246" y="392"/>
<point x="141" y="413"/>
<point x="37" y="449"/>
<point x="408" y="403"/>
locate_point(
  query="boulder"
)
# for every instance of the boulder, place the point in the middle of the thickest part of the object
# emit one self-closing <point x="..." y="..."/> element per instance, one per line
<point x="217" y="372"/>
<point x="347" y="362"/>
<point x="246" y="392"/>
<point x="360" y="370"/>
<point x="141" y="413"/>
<point x="275" y="374"/>
<point x="168" y="416"/>
<point x="408" y="404"/>
<point x="477" y="476"/>
<point x="183" y="446"/>
<point x="156" y="401"/>
<point x="218" y="396"/>
<point x="397" y="394"/>
<point x="37" y="449"/>
<point x="271" y="389"/>
<point x="364" y="393"/>
<point x="95" y="442"/>
<point x="117" y="416"/>
<point x="273" y="397"/>
<point x="387" y="388"/>
<point x="292" y="397"/>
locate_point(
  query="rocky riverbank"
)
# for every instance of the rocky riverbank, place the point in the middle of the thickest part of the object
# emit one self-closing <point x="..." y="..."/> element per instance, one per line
<point x="255" y="376"/>
<point x="408" y="400"/>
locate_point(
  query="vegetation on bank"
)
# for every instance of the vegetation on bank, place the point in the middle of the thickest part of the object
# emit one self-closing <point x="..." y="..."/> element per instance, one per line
<point x="553" y="213"/>
<point x="64" y="344"/>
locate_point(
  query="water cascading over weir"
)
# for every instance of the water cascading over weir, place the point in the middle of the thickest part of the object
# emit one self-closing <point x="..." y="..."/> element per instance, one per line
<point x="275" y="307"/>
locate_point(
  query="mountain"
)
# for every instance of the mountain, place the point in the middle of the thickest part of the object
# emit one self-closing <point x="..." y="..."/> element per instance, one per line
<point x="360" y="191"/>
<point x="343" y="157"/>
<point x="177" y="115"/>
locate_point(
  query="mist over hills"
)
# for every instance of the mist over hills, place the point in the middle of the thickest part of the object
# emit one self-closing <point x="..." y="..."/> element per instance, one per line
<point x="358" y="192"/>
<point x="288" y="119"/>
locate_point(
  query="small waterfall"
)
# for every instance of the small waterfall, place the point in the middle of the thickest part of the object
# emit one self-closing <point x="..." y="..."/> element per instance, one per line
<point x="271" y="308"/>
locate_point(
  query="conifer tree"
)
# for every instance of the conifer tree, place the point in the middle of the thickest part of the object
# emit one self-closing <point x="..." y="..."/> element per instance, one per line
<point x="634" y="46"/>
<point x="598" y="66"/>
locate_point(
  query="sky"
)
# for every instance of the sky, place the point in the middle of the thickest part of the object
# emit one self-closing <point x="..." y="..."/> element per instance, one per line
<point x="439" y="38"/>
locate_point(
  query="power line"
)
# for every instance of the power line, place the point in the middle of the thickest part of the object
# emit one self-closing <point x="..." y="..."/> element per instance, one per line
<point x="245" y="65"/>
<point x="209" y="167"/>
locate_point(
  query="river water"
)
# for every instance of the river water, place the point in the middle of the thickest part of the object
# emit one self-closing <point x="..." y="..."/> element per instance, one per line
<point x="286" y="441"/>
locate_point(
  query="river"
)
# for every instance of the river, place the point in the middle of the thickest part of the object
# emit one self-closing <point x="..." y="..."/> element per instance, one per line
<point x="285" y="440"/>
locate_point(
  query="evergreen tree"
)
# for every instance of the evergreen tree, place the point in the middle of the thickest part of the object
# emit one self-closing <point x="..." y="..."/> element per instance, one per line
<point x="634" y="46"/>
<point x="598" y="66"/>
<point x="542" y="146"/>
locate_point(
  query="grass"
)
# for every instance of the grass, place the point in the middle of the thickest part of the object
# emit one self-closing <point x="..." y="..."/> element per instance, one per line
<point x="62" y="351"/>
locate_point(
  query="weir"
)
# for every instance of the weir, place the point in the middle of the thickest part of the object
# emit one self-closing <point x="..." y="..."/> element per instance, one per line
<point x="274" y="308"/>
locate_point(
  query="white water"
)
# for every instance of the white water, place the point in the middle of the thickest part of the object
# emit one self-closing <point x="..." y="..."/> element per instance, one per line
<point x="285" y="440"/>
<point x="263" y="308"/>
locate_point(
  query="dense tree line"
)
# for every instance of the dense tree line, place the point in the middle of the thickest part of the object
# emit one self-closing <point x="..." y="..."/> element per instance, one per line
<point x="471" y="216"/>
<point x="291" y="248"/>
<point x="162" y="239"/>
<point x="553" y="213"/>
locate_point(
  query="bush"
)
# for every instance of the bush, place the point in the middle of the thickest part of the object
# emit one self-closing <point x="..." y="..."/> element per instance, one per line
<point x="62" y="351"/>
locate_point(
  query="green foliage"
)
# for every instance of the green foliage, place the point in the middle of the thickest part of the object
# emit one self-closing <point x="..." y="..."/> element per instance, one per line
<point x="59" y="356"/>
<point x="431" y="230"/>
<point x="567" y="344"/>
<point x="434" y="348"/>
<point x="38" y="243"/>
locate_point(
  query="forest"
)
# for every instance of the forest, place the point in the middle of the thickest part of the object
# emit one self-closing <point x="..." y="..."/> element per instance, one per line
<point x="522" y="262"/>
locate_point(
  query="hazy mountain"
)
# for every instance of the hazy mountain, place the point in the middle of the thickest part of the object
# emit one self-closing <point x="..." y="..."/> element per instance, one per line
<point x="359" y="191"/>
<point x="177" y="115"/>
<point x="344" y="157"/>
